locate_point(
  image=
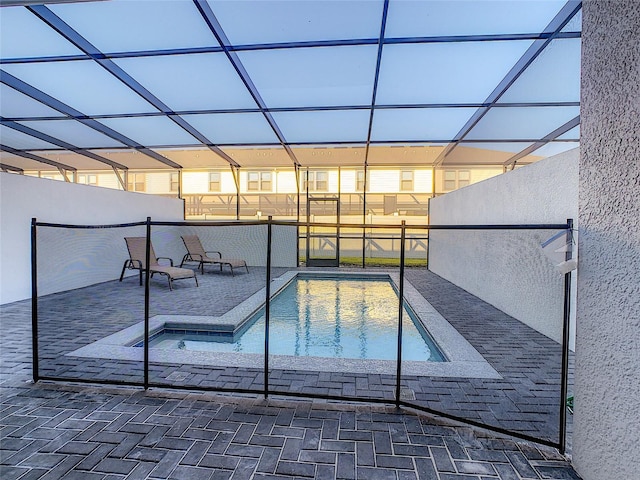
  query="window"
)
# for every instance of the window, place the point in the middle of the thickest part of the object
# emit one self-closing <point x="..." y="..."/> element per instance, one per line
<point x="449" y="180"/>
<point x="360" y="184"/>
<point x="464" y="178"/>
<point x="322" y="181"/>
<point x="136" y="182"/>
<point x="259" y="182"/>
<point x="454" y="179"/>
<point x="88" y="179"/>
<point x="214" y="181"/>
<point x="406" y="181"/>
<point x="174" y="181"/>
<point x="315" y="181"/>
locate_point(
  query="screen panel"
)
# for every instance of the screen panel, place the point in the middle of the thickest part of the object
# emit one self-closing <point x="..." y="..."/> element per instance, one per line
<point x="309" y="77"/>
<point x="419" y="124"/>
<point x="76" y="160"/>
<point x="22" y="141"/>
<point x="83" y="85"/>
<point x="225" y="128"/>
<point x="521" y="123"/>
<point x="133" y="159"/>
<point x="73" y="132"/>
<point x="325" y="155"/>
<point x="193" y="157"/>
<point x="121" y="26"/>
<point x="190" y="82"/>
<point x="324" y="126"/>
<point x="434" y="18"/>
<point x="251" y="22"/>
<point x="572" y="134"/>
<point x="554" y="148"/>
<point x="24" y="35"/>
<point x="404" y="154"/>
<point x="16" y="104"/>
<point x="554" y="76"/>
<point x="24" y="163"/>
<point x="484" y="153"/>
<point x="445" y="72"/>
<point x="575" y="24"/>
<point x="266" y="156"/>
<point x="151" y="130"/>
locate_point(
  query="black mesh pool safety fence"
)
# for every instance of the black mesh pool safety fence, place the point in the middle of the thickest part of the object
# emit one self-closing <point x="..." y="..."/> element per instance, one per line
<point x="481" y="336"/>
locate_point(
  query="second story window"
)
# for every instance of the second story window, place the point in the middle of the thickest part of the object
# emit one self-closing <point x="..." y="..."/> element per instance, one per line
<point x="360" y="183"/>
<point x="136" y="182"/>
<point x="464" y="178"/>
<point x="259" y="182"/>
<point x="174" y="181"/>
<point x="315" y="181"/>
<point x="406" y="181"/>
<point x="88" y="179"/>
<point x="214" y="181"/>
<point x="449" y="180"/>
<point x="454" y="179"/>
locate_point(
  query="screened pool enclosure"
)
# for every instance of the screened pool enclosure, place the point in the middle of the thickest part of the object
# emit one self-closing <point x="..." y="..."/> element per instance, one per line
<point x="319" y="128"/>
<point x="246" y="108"/>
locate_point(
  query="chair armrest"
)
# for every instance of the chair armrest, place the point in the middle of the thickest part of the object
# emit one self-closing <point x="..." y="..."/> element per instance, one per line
<point x="219" y="254"/>
<point x="166" y="258"/>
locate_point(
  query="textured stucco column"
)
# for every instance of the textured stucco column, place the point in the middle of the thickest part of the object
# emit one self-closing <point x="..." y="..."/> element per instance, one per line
<point x="606" y="442"/>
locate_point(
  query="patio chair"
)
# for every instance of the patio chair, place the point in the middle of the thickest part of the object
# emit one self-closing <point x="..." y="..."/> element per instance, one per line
<point x="197" y="253"/>
<point x="137" y="247"/>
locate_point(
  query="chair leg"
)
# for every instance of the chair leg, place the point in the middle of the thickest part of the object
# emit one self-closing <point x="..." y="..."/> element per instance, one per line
<point x="124" y="267"/>
<point x="140" y="277"/>
<point x="170" y="286"/>
<point x="195" y="277"/>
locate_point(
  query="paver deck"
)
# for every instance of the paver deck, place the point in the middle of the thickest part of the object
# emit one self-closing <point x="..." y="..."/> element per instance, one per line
<point x="74" y="431"/>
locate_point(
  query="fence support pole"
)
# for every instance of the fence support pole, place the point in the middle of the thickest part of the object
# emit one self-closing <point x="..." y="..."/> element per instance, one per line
<point x="146" y="305"/>
<point x="400" y="312"/>
<point x="565" y="345"/>
<point x="266" y="311"/>
<point x="34" y="303"/>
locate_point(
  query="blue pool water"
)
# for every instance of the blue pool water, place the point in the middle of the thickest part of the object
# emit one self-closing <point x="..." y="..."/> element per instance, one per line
<point x="321" y="317"/>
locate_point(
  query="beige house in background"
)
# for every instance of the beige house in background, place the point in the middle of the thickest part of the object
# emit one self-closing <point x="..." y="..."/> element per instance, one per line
<point x="398" y="181"/>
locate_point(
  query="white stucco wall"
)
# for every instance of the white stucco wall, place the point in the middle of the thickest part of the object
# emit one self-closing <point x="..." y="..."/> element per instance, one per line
<point x="23" y="198"/>
<point x="508" y="268"/>
<point x="248" y="242"/>
<point x="606" y="441"/>
<point x="73" y="258"/>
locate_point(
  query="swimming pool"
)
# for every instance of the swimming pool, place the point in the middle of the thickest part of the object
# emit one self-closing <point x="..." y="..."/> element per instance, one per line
<point x="319" y="316"/>
<point x="463" y="360"/>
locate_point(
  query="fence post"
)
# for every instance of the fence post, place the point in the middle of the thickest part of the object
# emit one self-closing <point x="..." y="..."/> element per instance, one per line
<point x="34" y="303"/>
<point x="146" y="305"/>
<point x="565" y="344"/>
<point x="266" y="310"/>
<point x="400" y="311"/>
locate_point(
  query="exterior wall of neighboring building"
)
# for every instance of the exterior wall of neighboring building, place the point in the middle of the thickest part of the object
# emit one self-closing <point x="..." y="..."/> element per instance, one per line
<point x="460" y="174"/>
<point x="508" y="269"/>
<point x="606" y="439"/>
<point x="286" y="181"/>
<point x="392" y="192"/>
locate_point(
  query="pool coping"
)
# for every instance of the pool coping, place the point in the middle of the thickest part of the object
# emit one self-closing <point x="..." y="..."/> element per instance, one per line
<point x="464" y="361"/>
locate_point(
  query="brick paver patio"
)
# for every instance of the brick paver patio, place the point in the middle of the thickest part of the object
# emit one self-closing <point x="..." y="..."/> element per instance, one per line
<point x="72" y="431"/>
